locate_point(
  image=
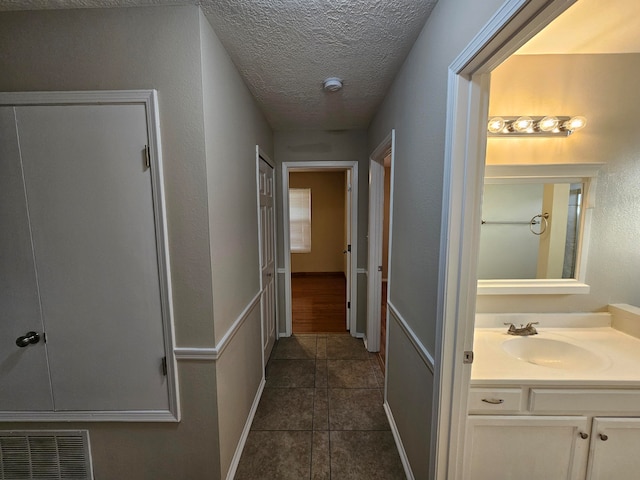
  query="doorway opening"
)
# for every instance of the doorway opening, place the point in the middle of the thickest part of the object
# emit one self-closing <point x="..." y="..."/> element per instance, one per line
<point x="317" y="221"/>
<point x="548" y="174"/>
<point x="320" y="228"/>
<point x="467" y="110"/>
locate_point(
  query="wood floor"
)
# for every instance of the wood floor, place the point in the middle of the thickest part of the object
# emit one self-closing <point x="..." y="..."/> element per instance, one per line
<point x="318" y="303"/>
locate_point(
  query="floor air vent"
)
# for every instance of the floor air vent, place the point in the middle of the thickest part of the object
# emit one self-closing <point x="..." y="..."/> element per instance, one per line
<point x="45" y="455"/>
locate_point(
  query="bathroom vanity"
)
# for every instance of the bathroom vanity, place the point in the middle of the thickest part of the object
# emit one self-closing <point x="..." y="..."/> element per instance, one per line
<point x="562" y="404"/>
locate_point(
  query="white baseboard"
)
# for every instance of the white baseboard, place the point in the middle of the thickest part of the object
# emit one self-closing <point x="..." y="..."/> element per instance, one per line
<point x="245" y="433"/>
<point x="396" y="435"/>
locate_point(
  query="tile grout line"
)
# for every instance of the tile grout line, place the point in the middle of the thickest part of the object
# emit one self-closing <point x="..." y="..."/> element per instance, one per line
<point x="328" y="417"/>
<point x="313" y="410"/>
<point x="326" y="365"/>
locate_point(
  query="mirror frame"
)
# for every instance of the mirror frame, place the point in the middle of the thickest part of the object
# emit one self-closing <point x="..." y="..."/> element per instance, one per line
<point x="585" y="173"/>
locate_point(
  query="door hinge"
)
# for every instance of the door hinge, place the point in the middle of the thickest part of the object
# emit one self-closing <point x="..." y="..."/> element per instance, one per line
<point x="468" y="357"/>
<point x="147" y="157"/>
<point x="348" y="304"/>
<point x="379" y="268"/>
<point x="164" y="366"/>
<point x="349" y="188"/>
<point x="348" y="248"/>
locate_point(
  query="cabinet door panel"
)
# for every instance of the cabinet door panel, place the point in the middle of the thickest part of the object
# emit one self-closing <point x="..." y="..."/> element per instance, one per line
<point x="24" y="375"/>
<point x="525" y="448"/>
<point x="617" y="456"/>
<point x="94" y="240"/>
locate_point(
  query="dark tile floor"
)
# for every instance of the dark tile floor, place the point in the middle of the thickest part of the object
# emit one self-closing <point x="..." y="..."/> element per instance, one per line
<point x="320" y="416"/>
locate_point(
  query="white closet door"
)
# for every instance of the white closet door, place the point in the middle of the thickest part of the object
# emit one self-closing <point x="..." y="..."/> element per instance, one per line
<point x="267" y="257"/>
<point x="24" y="375"/>
<point x="90" y="201"/>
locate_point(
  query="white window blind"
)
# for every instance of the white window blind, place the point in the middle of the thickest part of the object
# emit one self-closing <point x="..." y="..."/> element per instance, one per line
<point x="300" y="220"/>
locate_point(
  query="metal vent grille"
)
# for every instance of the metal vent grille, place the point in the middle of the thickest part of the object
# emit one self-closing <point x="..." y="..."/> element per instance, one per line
<point x="45" y="455"/>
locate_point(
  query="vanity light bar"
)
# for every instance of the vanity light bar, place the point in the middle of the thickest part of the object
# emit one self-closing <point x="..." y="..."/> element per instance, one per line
<point x="525" y="126"/>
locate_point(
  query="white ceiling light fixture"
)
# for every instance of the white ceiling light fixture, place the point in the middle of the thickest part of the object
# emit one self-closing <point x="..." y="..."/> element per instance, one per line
<point x="549" y="126"/>
<point x="332" y="84"/>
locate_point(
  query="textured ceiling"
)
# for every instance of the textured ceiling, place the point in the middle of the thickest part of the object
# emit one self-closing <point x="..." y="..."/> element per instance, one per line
<point x="284" y="49"/>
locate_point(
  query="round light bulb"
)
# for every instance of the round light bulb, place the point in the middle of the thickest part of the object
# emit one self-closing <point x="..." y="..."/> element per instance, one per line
<point x="523" y="124"/>
<point x="575" y="123"/>
<point x="496" y="125"/>
<point x="548" y="124"/>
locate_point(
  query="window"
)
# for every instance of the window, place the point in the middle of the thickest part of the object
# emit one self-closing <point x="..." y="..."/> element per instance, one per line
<point x="300" y="220"/>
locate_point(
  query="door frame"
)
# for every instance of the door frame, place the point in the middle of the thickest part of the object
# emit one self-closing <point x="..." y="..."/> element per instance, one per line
<point x="376" y="225"/>
<point x="513" y="24"/>
<point x="313" y="166"/>
<point x="261" y="155"/>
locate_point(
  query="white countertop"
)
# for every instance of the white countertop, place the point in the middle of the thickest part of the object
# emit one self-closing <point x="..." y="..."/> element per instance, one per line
<point x="619" y="352"/>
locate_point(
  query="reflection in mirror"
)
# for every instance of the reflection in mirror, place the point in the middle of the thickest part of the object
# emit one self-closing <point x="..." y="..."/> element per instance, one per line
<point x="530" y="230"/>
<point x="536" y="220"/>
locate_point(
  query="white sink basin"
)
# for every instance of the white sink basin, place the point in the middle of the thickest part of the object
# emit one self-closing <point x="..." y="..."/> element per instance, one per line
<point x="551" y="353"/>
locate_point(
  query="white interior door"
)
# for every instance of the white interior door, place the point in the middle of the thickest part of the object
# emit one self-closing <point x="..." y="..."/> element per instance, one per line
<point x="24" y="373"/>
<point x="90" y="204"/>
<point x="267" y="256"/>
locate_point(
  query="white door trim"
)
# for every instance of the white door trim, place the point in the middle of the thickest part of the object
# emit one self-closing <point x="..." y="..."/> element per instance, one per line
<point x="467" y="107"/>
<point x="288" y="167"/>
<point x="376" y="221"/>
<point x="262" y="154"/>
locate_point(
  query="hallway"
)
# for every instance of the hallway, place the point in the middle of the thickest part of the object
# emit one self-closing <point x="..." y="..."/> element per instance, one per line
<point x="321" y="415"/>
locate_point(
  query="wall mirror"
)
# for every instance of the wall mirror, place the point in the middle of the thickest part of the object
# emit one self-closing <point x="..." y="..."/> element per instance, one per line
<point x="535" y="228"/>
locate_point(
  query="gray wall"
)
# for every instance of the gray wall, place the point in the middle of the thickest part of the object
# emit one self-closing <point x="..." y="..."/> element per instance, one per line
<point x="135" y="48"/>
<point x="344" y="145"/>
<point x="233" y="126"/>
<point x="416" y="106"/>
<point x="208" y="144"/>
<point x="603" y="88"/>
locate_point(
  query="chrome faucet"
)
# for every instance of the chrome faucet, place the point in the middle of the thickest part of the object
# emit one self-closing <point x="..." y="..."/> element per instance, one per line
<point x="522" y="331"/>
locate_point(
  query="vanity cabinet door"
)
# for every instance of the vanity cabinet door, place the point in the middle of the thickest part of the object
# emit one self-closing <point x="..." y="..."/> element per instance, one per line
<point x="614" y="449"/>
<point x="525" y="448"/>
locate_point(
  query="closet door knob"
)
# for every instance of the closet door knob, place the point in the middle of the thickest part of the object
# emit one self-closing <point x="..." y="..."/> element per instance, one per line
<point x="603" y="437"/>
<point x="584" y="436"/>
<point x="28" y="339"/>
